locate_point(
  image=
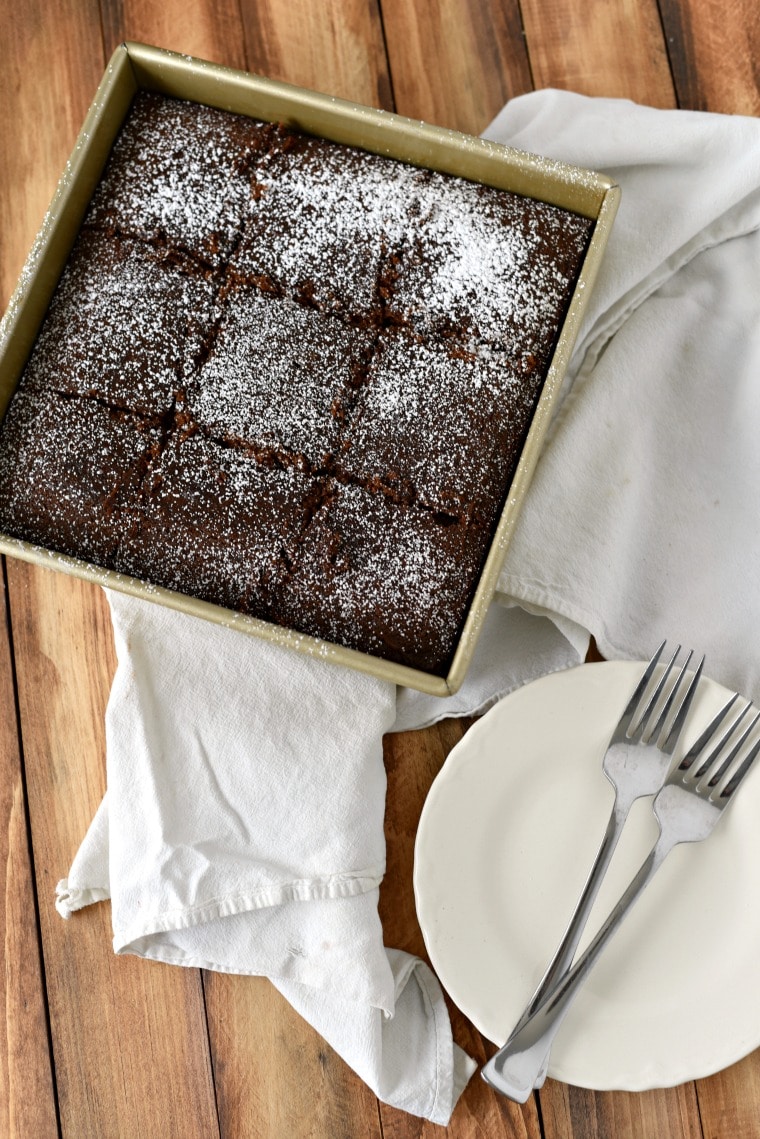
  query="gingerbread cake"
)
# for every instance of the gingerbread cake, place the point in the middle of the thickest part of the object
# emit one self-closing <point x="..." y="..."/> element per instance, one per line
<point x="289" y="377"/>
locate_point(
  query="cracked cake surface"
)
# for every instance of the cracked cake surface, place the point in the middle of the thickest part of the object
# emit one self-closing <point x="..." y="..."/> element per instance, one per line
<point x="289" y="377"/>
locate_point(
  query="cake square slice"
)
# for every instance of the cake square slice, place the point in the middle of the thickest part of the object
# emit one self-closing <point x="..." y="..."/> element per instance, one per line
<point x="179" y="173"/>
<point x="323" y="221"/>
<point x="124" y="326"/>
<point x="440" y="425"/>
<point x="278" y="377"/>
<point x="211" y="522"/>
<point x="487" y="265"/>
<point x="68" y="465"/>
<point x="383" y="577"/>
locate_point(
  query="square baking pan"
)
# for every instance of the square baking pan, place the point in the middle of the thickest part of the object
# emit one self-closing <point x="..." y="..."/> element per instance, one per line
<point x="134" y="67"/>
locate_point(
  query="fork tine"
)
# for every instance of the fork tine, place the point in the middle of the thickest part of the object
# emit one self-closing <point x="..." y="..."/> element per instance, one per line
<point x="722" y="768"/>
<point x="671" y="739"/>
<point x="641" y="687"/>
<point x="741" y="771"/>
<point x="707" y="764"/>
<point x="654" y="735"/>
<point x="644" y="719"/>
<point x="682" y="710"/>
<point x="701" y="743"/>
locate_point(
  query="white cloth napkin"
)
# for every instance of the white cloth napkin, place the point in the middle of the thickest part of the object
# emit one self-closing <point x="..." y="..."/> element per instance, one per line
<point x="642" y="521"/>
<point x="242" y="827"/>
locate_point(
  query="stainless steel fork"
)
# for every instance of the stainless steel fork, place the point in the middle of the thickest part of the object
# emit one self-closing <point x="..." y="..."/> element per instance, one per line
<point x="636" y="762"/>
<point x="687" y="808"/>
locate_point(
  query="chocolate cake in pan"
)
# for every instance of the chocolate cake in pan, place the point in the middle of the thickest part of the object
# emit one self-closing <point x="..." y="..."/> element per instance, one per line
<point x="290" y="377"/>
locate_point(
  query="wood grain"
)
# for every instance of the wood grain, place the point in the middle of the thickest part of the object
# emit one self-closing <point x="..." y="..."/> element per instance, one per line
<point x="274" y="1075"/>
<point x="143" y="1049"/>
<point x="27" y="1094"/>
<point x="454" y="63"/>
<point x="129" y="1038"/>
<point x="51" y="69"/>
<point x="334" y="46"/>
<point x="714" y="47"/>
<point x="412" y="761"/>
<point x="597" y="48"/>
<point x="570" y="1111"/>
<point x="729" y="1101"/>
<point x="208" y="31"/>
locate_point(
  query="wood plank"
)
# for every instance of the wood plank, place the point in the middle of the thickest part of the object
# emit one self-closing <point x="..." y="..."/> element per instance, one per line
<point x="616" y="50"/>
<point x="612" y="51"/>
<point x="106" y="1015"/>
<point x="454" y="63"/>
<point x="300" y="1086"/>
<point x="51" y="68"/>
<point x="570" y="1111"/>
<point x="334" y="46"/>
<point x="27" y="1093"/>
<point x="714" y="48"/>
<point x="275" y="1076"/>
<point x="713" y="51"/>
<point x="412" y="760"/>
<point x="209" y="31"/>
<point x="729" y="1101"/>
<point x="129" y="1038"/>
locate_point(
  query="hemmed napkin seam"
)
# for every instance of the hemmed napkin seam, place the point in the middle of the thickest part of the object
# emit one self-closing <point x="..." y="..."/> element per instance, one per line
<point x="302" y="890"/>
<point x="435" y="1006"/>
<point x="416" y="969"/>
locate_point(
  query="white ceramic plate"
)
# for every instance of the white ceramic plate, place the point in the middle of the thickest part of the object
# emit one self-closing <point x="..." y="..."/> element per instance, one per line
<point x="506" y="839"/>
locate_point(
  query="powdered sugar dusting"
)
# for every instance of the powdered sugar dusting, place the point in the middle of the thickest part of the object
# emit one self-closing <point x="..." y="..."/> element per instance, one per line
<point x="123" y="325"/>
<point x="274" y="375"/>
<point x="180" y="171"/>
<point x="438" y="424"/>
<point x="499" y="264"/>
<point x="289" y="377"/>
<point x="396" y="580"/>
<point x="323" y="218"/>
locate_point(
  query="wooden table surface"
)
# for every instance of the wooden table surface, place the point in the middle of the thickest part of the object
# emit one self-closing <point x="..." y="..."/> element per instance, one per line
<point x="96" y="1045"/>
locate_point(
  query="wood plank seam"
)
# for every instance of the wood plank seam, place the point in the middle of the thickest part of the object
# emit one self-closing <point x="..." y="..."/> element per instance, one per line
<point x="243" y="43"/>
<point x="381" y="16"/>
<point x="211" y="1051"/>
<point x="539" y="1114"/>
<point x="528" y="56"/>
<point x="671" y="43"/>
<point x="29" y="844"/>
<point x="103" y="49"/>
<point x="677" y="37"/>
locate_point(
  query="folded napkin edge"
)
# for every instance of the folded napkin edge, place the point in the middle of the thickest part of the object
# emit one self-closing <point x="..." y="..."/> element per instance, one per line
<point x="69" y="899"/>
<point x="302" y="890"/>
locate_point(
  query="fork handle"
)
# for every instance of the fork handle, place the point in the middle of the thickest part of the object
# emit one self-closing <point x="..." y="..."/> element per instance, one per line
<point x="563" y="956"/>
<point x="515" y="1067"/>
<point x="565" y="951"/>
